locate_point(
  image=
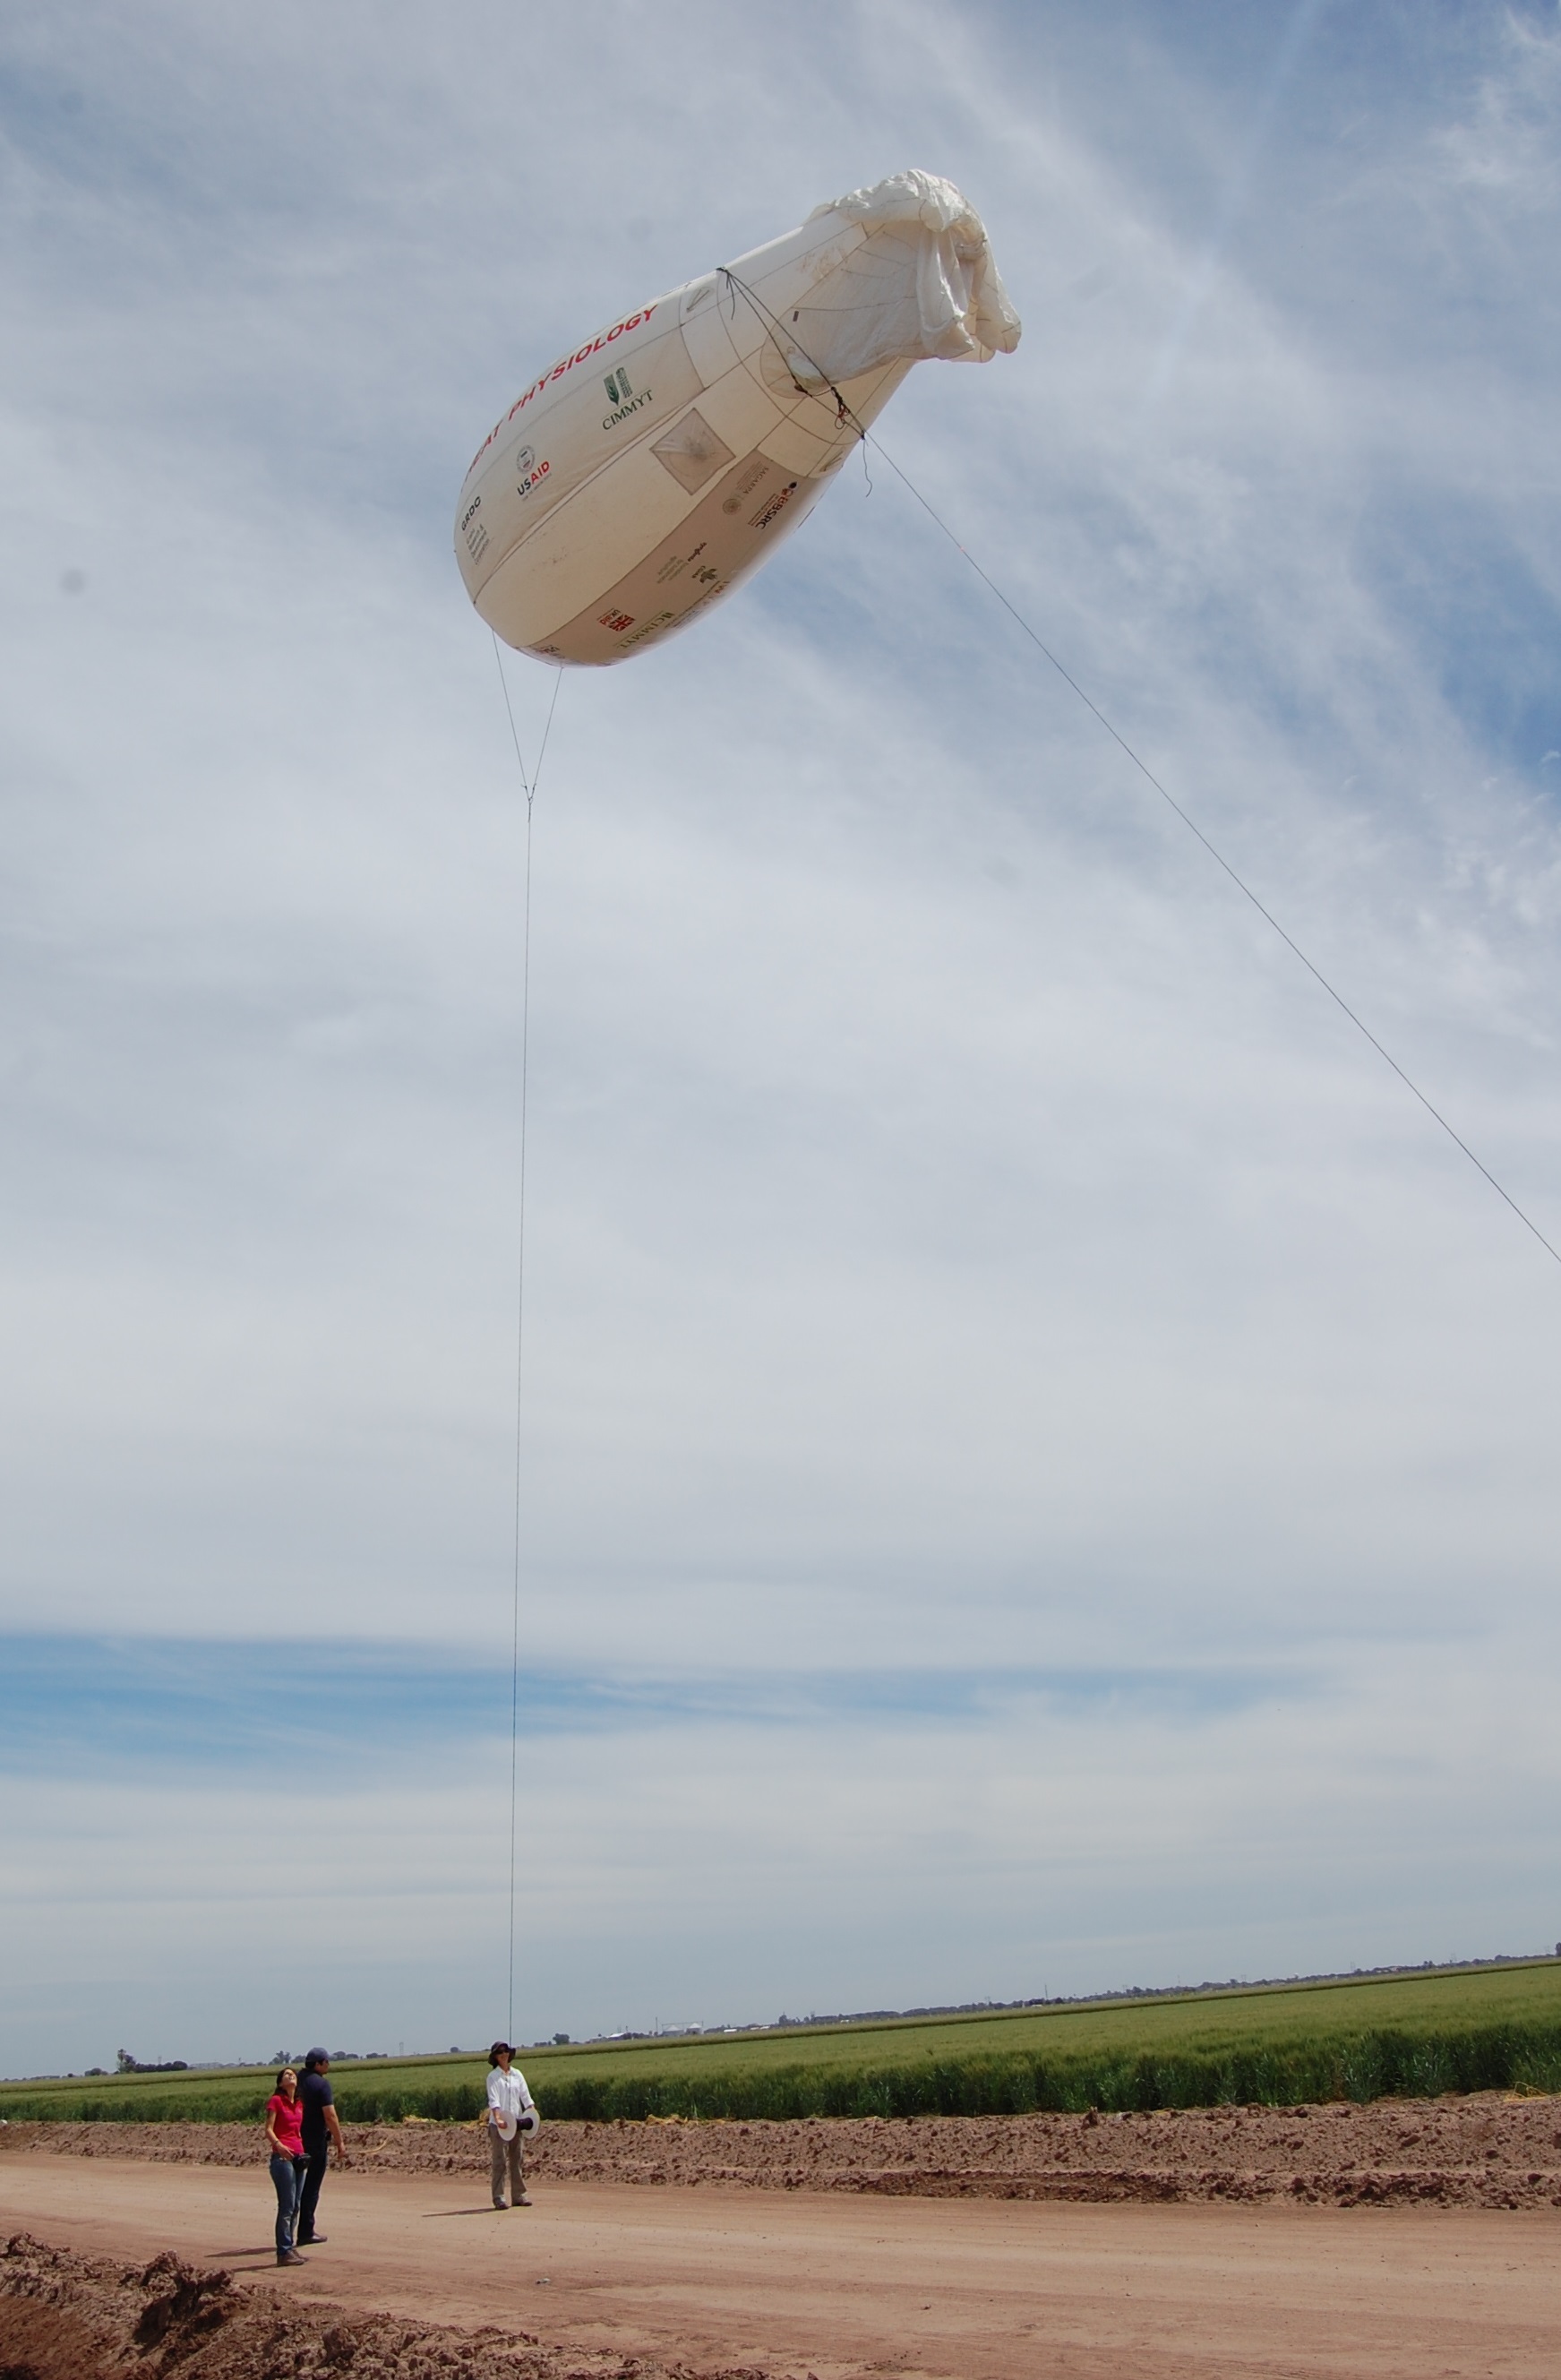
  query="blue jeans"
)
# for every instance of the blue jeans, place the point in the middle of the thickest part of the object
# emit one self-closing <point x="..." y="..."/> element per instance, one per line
<point x="287" y="2173"/>
<point x="311" y="2173"/>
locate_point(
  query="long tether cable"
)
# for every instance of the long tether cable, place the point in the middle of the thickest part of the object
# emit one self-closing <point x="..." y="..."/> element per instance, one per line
<point x="778" y="333"/>
<point x="781" y="336"/>
<point x="843" y="414"/>
<point x="1214" y="854"/>
<point x="529" y="787"/>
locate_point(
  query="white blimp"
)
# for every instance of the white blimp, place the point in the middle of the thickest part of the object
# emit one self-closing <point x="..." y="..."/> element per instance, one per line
<point x="649" y="471"/>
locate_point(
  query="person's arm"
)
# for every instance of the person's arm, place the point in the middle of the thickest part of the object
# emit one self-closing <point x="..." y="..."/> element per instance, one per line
<point x="333" y="2126"/>
<point x="272" y="2142"/>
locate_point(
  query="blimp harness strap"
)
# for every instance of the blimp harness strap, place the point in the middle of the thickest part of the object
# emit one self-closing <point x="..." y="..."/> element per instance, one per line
<point x="772" y="324"/>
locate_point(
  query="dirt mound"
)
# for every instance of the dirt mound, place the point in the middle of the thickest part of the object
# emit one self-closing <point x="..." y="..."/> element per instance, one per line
<point x="48" y="2342"/>
<point x="70" y="2318"/>
<point x="62" y="2318"/>
<point x="1484" y="2151"/>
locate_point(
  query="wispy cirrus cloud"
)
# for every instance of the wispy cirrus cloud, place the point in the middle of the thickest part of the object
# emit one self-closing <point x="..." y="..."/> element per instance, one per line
<point x="154" y="1707"/>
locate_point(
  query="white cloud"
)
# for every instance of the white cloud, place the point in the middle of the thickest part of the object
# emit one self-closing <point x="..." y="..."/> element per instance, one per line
<point x="729" y="1873"/>
<point x="958" y="1230"/>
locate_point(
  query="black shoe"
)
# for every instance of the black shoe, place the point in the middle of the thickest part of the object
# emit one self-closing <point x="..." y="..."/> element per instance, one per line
<point x="290" y="2256"/>
<point x="315" y="2239"/>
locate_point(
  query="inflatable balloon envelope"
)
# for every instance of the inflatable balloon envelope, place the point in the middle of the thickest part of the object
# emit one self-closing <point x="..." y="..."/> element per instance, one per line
<point x="649" y="471"/>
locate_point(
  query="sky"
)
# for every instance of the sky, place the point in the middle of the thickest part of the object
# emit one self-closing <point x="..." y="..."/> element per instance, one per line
<point x="1036" y="1456"/>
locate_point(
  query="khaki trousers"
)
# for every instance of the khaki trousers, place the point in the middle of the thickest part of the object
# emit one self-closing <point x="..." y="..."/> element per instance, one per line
<point x="503" y="2153"/>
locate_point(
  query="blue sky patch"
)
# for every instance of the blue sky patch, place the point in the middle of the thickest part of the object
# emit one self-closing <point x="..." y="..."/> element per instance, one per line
<point x="71" y="1704"/>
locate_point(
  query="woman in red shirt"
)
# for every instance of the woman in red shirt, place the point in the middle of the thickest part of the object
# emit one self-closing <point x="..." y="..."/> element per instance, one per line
<point x="285" y="2136"/>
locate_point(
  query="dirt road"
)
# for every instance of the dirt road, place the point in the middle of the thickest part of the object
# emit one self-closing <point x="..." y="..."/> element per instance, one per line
<point x="839" y="2287"/>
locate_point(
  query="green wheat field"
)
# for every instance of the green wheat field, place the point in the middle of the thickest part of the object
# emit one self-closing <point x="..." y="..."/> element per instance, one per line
<point x="1412" y="2035"/>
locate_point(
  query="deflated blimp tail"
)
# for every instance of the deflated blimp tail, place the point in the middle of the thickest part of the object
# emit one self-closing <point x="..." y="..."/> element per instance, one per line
<point x="648" y="472"/>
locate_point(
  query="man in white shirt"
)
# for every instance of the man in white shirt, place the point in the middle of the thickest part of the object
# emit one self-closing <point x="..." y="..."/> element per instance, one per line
<point x="512" y="2113"/>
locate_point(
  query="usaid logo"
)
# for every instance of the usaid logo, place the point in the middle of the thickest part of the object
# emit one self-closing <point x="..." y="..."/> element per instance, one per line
<point x="528" y="472"/>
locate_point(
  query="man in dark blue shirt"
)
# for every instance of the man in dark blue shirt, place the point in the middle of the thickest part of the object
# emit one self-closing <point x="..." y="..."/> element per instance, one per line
<point x="321" y="2126"/>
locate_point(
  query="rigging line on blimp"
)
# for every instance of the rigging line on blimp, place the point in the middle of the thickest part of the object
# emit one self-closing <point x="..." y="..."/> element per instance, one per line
<point x="529" y="787"/>
<point x="784" y="339"/>
<point x="1214" y="854"/>
<point x="788" y="344"/>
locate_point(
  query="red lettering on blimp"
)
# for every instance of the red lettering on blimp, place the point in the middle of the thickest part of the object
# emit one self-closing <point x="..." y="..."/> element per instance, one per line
<point x="630" y="323"/>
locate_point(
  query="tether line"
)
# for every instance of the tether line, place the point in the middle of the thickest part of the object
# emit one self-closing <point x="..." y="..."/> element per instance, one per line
<point x="778" y="333"/>
<point x="529" y="787"/>
<point x="1216" y="855"/>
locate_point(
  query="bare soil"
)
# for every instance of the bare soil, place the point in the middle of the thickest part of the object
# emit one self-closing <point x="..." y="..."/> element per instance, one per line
<point x="1422" y="2241"/>
<point x="1486" y="2150"/>
<point x="66" y="2316"/>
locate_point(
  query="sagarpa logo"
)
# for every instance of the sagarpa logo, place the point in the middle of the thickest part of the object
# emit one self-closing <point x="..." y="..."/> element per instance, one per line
<point x="616" y="621"/>
<point x="746" y="486"/>
<point x="617" y="387"/>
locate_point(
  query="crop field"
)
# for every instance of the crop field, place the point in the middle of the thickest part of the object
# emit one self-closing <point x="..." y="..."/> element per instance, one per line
<point x="1414" y="2035"/>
